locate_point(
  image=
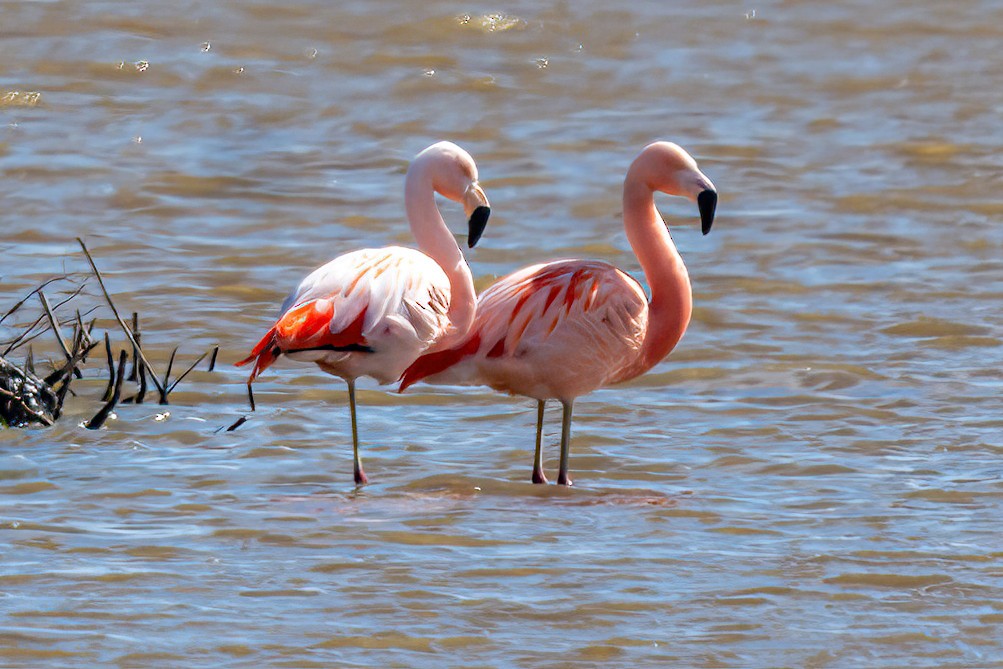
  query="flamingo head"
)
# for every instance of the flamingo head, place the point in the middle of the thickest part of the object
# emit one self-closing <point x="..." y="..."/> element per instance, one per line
<point x="454" y="176"/>
<point x="668" y="168"/>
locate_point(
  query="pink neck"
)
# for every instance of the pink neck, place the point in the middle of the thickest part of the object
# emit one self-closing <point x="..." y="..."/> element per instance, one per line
<point x="671" y="297"/>
<point x="437" y="242"/>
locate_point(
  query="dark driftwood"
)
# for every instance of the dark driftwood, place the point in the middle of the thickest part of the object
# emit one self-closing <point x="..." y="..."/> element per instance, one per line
<point x="26" y="399"/>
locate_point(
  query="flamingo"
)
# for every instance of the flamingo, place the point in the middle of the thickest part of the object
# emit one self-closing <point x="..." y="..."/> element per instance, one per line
<point x="561" y="329"/>
<point x="372" y="312"/>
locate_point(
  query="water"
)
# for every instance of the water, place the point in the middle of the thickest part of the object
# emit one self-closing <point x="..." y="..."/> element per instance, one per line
<point x="812" y="478"/>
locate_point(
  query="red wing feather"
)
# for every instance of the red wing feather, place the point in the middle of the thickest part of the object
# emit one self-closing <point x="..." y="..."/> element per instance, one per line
<point x="308" y="326"/>
<point x="305" y="327"/>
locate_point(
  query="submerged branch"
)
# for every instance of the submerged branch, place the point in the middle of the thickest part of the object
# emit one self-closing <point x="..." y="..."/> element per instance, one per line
<point x="101" y="416"/>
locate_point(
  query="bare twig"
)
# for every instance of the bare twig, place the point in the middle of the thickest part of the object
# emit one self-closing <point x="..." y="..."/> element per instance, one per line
<point x="240" y="421"/>
<point x="54" y="324"/>
<point x="80" y="351"/>
<point x="85" y="329"/>
<point x="134" y="374"/>
<point x="125" y="328"/>
<point x="101" y="416"/>
<point x="212" y="360"/>
<point x="23" y="338"/>
<point x="167" y="375"/>
<point x="62" y="372"/>
<point x="111" y="369"/>
<point x="28" y="296"/>
<point x="186" y="372"/>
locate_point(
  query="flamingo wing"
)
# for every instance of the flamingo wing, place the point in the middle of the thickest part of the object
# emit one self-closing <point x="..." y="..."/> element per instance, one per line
<point x="567" y="309"/>
<point x="348" y="305"/>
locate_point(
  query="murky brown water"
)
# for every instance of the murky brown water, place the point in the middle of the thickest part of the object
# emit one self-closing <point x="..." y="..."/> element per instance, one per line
<point x="812" y="480"/>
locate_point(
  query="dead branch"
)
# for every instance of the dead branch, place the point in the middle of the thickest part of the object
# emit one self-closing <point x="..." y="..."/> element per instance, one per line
<point x="134" y="374"/>
<point x="125" y="328"/>
<point x="186" y="372"/>
<point x="28" y="296"/>
<point x="54" y="324"/>
<point x="111" y="369"/>
<point x="167" y="375"/>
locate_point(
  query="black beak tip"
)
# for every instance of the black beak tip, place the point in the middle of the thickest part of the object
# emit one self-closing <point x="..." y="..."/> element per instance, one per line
<point x="478" y="221"/>
<point x="707" y="203"/>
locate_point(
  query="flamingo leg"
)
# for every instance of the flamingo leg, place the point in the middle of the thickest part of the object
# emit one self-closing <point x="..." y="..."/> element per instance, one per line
<point x="360" y="476"/>
<point x="562" y="475"/>
<point x="538" y="475"/>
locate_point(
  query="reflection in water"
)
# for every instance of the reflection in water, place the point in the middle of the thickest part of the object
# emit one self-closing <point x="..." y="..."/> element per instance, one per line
<point x="812" y="479"/>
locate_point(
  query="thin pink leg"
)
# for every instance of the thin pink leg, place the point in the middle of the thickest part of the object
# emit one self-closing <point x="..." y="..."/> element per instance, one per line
<point x="538" y="475"/>
<point x="562" y="475"/>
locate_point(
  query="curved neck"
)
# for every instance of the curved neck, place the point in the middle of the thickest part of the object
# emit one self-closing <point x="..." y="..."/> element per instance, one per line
<point x="437" y="242"/>
<point x="671" y="301"/>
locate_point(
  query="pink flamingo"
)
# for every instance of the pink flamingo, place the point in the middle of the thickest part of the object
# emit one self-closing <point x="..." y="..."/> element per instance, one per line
<point x="564" y="328"/>
<point x="373" y="312"/>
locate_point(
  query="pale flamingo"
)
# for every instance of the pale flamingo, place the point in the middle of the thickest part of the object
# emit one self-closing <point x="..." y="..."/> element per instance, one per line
<point x="373" y="312"/>
<point x="564" y="328"/>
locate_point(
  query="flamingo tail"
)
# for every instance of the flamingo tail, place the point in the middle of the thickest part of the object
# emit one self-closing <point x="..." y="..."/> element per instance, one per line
<point x="263" y="355"/>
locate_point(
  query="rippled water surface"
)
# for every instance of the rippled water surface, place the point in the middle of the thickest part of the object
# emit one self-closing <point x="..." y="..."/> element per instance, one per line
<point x="812" y="478"/>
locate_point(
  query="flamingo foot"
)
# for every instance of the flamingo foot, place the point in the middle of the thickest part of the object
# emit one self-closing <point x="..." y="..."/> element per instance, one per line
<point x="538" y="476"/>
<point x="360" y="477"/>
<point x="564" y="479"/>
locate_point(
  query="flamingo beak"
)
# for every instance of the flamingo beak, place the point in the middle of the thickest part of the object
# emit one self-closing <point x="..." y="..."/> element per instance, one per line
<point x="707" y="203"/>
<point x="478" y="221"/>
<point x="477" y="207"/>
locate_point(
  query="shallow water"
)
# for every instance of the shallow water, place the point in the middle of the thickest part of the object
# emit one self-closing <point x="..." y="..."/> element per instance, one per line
<point x="812" y="479"/>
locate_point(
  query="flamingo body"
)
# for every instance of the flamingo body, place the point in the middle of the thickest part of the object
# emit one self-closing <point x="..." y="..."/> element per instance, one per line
<point x="552" y="331"/>
<point x="366" y="313"/>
